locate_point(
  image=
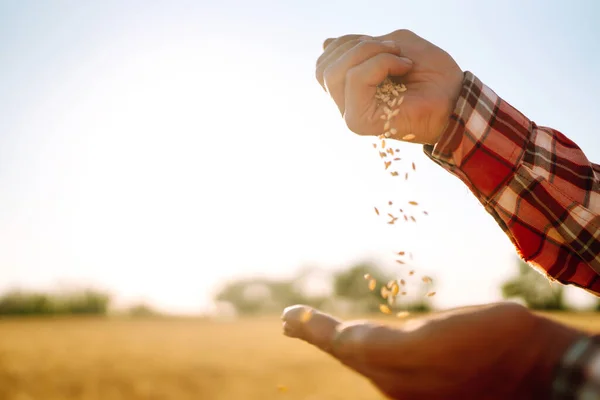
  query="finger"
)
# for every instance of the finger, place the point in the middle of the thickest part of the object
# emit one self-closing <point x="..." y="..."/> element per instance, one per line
<point x="362" y="114"/>
<point x="354" y="341"/>
<point x="319" y="330"/>
<point x="334" y="76"/>
<point x="310" y="325"/>
<point x="353" y="53"/>
<point x="335" y="43"/>
<point x="327" y="42"/>
<point x="323" y="63"/>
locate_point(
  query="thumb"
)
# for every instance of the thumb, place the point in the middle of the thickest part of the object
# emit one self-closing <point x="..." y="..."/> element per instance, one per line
<point x="356" y="342"/>
<point x="324" y="332"/>
<point x="310" y="325"/>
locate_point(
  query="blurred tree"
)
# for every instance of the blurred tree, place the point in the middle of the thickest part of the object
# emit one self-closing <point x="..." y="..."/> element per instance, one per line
<point x="350" y="285"/>
<point x="261" y="295"/>
<point x="350" y="293"/>
<point x="142" y="310"/>
<point x="20" y="302"/>
<point x="17" y="302"/>
<point x="87" y="302"/>
<point x="537" y="291"/>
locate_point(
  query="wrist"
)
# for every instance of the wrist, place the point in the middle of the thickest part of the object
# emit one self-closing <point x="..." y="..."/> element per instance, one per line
<point x="454" y="93"/>
<point x="578" y="372"/>
<point x="552" y="346"/>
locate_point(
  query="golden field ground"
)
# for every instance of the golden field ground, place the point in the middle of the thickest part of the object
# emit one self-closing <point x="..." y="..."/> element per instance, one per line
<point x="107" y="359"/>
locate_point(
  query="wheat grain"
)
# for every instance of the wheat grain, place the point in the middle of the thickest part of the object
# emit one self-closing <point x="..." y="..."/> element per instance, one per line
<point x="389" y="95"/>
<point x="383" y="292"/>
<point x="385" y="309"/>
<point x="372" y="284"/>
<point x="306" y="315"/>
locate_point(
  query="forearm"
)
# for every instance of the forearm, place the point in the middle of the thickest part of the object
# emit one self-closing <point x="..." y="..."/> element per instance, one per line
<point x="537" y="184"/>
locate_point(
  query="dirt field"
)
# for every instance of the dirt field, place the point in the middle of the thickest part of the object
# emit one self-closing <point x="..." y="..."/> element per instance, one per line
<point x="173" y="359"/>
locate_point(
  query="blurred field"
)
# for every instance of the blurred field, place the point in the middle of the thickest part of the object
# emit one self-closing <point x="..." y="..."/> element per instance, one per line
<point x="174" y="359"/>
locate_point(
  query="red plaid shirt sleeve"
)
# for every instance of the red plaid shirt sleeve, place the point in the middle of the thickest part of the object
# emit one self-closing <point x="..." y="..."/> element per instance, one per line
<point x="537" y="184"/>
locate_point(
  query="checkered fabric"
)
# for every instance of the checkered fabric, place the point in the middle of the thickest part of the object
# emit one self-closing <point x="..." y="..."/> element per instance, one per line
<point x="537" y="184"/>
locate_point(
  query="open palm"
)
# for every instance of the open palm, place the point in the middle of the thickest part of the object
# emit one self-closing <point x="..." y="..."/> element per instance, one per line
<point x="493" y="352"/>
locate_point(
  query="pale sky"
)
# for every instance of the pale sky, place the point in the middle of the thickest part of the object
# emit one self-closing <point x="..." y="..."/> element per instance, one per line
<point x="157" y="149"/>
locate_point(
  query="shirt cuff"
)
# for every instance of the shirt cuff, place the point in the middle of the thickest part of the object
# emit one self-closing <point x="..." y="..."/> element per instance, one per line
<point x="484" y="140"/>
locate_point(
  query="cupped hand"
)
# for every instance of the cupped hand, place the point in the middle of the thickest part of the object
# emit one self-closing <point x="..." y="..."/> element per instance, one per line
<point x="352" y="66"/>
<point x="498" y="351"/>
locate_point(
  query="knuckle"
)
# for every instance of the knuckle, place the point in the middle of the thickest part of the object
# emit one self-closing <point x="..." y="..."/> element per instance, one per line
<point x="353" y="47"/>
<point x="353" y="75"/>
<point x="402" y="32"/>
<point x="327" y="42"/>
<point x="321" y="59"/>
<point x="335" y="43"/>
<point x="369" y="46"/>
<point x="354" y="125"/>
<point x="319" y="74"/>
<point x="350" y="36"/>
<point x="373" y="47"/>
<point x="330" y="76"/>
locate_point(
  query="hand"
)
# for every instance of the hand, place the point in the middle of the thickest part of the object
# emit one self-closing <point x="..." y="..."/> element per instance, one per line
<point x="499" y="351"/>
<point x="352" y="66"/>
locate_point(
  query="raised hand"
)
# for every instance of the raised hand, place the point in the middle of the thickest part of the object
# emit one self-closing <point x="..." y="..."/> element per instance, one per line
<point x="352" y="66"/>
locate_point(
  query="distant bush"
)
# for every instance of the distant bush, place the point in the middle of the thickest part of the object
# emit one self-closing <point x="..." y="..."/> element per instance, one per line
<point x="142" y="310"/>
<point x="82" y="302"/>
<point x="534" y="289"/>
